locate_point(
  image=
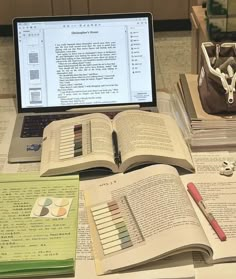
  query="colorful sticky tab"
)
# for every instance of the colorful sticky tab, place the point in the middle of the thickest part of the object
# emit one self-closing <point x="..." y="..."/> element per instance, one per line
<point x="70" y="142"/>
<point x="111" y="227"/>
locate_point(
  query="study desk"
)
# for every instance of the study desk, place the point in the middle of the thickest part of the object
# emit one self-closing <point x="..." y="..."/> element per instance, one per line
<point x="85" y="265"/>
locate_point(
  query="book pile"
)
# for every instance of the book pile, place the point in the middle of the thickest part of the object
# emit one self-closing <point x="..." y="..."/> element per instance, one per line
<point x="207" y="132"/>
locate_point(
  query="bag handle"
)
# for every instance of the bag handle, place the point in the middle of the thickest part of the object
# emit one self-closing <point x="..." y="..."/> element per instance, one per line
<point x="229" y="88"/>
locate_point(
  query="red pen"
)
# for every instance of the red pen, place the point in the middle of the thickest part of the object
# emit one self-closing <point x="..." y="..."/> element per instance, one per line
<point x="199" y="201"/>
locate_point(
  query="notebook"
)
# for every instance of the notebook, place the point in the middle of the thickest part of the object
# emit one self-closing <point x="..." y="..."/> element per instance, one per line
<point x="71" y="65"/>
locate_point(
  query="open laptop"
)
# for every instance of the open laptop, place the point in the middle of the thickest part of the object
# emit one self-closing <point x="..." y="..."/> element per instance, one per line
<point x="73" y="65"/>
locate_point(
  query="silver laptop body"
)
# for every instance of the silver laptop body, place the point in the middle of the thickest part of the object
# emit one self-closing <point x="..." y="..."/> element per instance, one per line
<point x="79" y="64"/>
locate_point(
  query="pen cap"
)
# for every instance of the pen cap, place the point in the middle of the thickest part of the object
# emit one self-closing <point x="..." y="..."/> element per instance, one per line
<point x="194" y="192"/>
<point x="218" y="230"/>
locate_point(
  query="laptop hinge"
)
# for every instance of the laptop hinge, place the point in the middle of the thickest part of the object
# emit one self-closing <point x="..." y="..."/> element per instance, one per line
<point x="102" y="109"/>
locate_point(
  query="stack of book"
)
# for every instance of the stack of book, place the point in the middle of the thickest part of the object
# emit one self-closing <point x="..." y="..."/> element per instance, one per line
<point x="207" y="131"/>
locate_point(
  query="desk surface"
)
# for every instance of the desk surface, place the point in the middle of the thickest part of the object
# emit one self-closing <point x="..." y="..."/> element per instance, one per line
<point x="204" y="163"/>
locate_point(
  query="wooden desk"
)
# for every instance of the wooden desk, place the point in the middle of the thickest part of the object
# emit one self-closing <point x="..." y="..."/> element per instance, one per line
<point x="199" y="35"/>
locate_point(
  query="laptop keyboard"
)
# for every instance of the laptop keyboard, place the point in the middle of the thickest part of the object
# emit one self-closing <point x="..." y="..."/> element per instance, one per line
<point x="33" y="125"/>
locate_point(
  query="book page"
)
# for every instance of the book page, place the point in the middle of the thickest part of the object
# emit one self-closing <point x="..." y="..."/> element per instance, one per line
<point x="76" y="144"/>
<point x="216" y="271"/>
<point x="38" y="224"/>
<point x="146" y="137"/>
<point x="219" y="193"/>
<point x="151" y="208"/>
<point x="211" y="162"/>
<point x="179" y="266"/>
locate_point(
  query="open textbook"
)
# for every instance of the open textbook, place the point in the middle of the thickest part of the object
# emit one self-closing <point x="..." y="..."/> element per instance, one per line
<point x="132" y="138"/>
<point x="39" y="218"/>
<point x="173" y="267"/>
<point x="148" y="215"/>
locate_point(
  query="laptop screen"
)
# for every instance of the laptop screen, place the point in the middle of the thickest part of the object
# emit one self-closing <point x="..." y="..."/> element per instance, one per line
<point x="83" y="61"/>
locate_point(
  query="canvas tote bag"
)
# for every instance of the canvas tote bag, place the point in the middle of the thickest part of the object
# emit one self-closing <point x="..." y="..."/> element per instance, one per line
<point x="217" y="78"/>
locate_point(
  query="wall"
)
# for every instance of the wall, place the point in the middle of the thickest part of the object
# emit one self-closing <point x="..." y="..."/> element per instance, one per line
<point x="161" y="9"/>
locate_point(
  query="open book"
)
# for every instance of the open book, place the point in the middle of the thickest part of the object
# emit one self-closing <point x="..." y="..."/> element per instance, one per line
<point x="132" y="138"/>
<point x="39" y="220"/>
<point x="148" y="215"/>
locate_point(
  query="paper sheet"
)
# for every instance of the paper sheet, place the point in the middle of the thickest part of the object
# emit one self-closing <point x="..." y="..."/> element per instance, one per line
<point x="219" y="194"/>
<point x="210" y="162"/>
<point x="217" y="271"/>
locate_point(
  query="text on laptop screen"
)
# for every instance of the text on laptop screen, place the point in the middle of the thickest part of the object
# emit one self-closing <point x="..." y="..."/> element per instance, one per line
<point x="84" y="62"/>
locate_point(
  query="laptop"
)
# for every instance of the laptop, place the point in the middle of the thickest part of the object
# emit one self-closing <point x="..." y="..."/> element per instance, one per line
<point x="71" y="65"/>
